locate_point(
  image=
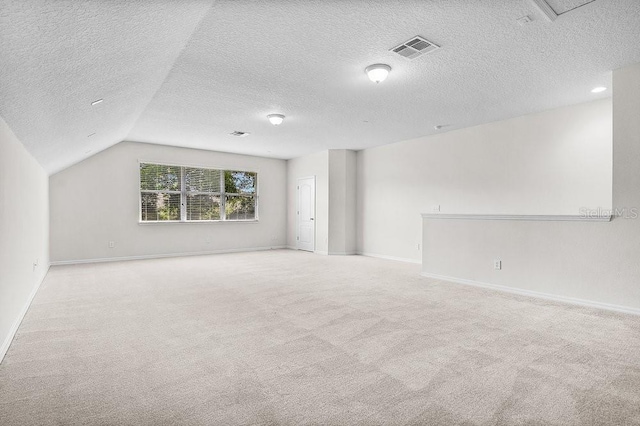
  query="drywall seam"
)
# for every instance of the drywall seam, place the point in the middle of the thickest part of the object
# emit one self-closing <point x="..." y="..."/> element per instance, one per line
<point x="14" y="328"/>
<point x="536" y="294"/>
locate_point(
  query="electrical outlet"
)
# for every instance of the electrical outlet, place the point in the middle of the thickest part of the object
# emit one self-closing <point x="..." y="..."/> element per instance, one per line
<point x="497" y="264"/>
<point x="112" y="244"/>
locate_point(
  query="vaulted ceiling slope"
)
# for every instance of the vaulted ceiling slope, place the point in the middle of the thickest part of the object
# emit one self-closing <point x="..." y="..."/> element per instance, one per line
<point x="187" y="73"/>
<point x="59" y="56"/>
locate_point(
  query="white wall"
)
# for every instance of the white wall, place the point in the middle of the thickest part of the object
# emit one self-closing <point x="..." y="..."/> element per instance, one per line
<point x="597" y="263"/>
<point x="578" y="260"/>
<point x="553" y="162"/>
<point x="311" y="165"/>
<point x="24" y="232"/>
<point x="335" y="219"/>
<point x="351" y="206"/>
<point x="97" y="201"/>
<point x="342" y="201"/>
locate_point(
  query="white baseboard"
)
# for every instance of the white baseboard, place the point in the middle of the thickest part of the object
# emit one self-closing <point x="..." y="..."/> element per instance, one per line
<point x="397" y="259"/>
<point x="159" y="256"/>
<point x="326" y="253"/>
<point x="16" y="324"/>
<point x="599" y="216"/>
<point x="536" y="294"/>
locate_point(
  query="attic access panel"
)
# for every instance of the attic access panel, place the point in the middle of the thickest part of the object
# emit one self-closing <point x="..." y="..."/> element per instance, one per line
<point x="564" y="6"/>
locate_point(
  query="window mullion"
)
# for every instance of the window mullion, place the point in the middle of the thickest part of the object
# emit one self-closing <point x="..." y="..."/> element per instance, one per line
<point x="183" y="196"/>
<point x="223" y="197"/>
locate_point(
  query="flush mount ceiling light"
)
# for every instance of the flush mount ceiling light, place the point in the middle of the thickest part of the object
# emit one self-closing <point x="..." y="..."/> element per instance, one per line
<point x="598" y="89"/>
<point x="377" y="72"/>
<point x="96" y="102"/>
<point x="276" y="119"/>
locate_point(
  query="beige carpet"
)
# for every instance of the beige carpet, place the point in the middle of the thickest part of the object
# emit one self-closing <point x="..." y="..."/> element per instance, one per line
<point x="289" y="338"/>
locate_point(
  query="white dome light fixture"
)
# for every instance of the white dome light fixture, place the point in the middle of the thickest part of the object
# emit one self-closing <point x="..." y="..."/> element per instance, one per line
<point x="377" y="72"/>
<point x="276" y="119"/>
<point x="599" y="89"/>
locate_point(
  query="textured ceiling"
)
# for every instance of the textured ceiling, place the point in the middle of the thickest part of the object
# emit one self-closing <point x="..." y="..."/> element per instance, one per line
<point x="56" y="57"/>
<point x="187" y="73"/>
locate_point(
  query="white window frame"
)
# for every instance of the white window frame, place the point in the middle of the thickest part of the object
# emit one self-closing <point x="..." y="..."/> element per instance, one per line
<point x="183" y="195"/>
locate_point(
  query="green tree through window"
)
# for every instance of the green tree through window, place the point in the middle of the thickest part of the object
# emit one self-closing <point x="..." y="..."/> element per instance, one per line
<point x="240" y="190"/>
<point x="160" y="192"/>
<point x="180" y="193"/>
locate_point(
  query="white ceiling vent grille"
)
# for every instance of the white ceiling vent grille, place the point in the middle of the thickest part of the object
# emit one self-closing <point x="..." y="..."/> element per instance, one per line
<point x="415" y="47"/>
<point x="239" y="133"/>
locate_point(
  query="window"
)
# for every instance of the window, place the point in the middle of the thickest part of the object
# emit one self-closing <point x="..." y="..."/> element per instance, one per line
<point x="185" y="194"/>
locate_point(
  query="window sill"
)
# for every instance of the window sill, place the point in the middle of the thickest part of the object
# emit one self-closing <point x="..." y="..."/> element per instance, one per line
<point x="194" y="222"/>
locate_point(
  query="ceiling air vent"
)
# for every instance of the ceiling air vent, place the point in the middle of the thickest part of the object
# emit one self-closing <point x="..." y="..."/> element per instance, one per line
<point x="239" y="133"/>
<point x="415" y="47"/>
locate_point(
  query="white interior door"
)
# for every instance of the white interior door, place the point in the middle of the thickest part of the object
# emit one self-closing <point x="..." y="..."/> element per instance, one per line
<point x="306" y="238"/>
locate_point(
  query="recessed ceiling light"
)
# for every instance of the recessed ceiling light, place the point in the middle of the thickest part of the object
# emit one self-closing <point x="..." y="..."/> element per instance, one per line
<point x="599" y="89"/>
<point x="96" y="102"/>
<point x="276" y="119"/>
<point x="92" y="134"/>
<point x="239" y="133"/>
<point x="377" y="72"/>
